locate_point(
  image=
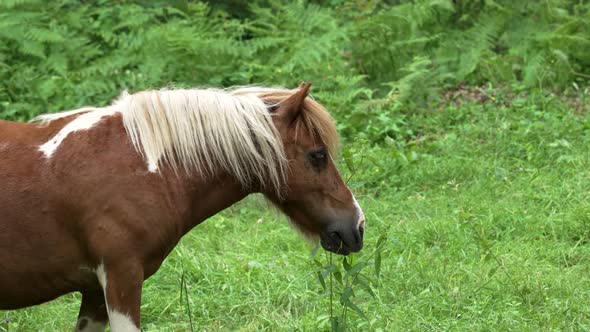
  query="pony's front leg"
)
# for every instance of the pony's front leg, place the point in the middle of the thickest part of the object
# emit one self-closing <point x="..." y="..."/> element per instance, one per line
<point x="93" y="312"/>
<point x="122" y="284"/>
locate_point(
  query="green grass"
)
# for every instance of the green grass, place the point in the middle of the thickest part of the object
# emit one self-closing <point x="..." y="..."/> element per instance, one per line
<point x="486" y="208"/>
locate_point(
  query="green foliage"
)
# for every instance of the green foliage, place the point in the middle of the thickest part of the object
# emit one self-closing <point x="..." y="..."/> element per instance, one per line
<point x="65" y="54"/>
<point x="413" y="50"/>
<point x="341" y="281"/>
<point x="69" y="53"/>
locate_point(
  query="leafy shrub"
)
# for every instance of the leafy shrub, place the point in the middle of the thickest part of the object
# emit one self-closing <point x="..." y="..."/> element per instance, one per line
<point x="370" y="62"/>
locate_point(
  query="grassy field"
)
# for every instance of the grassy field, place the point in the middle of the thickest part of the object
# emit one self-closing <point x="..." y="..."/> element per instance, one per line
<point x="486" y="211"/>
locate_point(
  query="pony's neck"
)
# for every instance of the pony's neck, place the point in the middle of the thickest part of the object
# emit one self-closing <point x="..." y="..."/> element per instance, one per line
<point x="188" y="201"/>
<point x="208" y="197"/>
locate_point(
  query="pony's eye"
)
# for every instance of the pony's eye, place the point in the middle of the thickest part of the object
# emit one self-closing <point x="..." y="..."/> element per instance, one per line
<point x="318" y="159"/>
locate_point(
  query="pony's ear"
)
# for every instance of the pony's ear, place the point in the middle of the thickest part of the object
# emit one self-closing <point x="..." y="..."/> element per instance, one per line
<point x="292" y="107"/>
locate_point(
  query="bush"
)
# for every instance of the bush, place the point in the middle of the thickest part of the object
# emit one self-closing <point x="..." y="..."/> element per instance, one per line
<point x="370" y="62"/>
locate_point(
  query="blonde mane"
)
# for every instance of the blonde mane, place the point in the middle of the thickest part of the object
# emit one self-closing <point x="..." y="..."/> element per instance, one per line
<point x="205" y="130"/>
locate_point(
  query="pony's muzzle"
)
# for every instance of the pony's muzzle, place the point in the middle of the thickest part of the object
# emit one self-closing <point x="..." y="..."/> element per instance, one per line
<point x="343" y="240"/>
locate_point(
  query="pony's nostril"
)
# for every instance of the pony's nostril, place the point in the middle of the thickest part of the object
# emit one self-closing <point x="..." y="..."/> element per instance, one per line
<point x="335" y="236"/>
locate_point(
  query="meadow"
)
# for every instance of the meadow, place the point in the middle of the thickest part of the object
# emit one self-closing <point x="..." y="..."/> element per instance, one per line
<point x="474" y="174"/>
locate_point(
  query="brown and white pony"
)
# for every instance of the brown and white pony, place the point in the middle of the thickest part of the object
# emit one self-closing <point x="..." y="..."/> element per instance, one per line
<point x="93" y="200"/>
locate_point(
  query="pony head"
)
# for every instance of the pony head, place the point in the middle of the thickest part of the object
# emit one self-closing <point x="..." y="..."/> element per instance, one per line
<point x="315" y="198"/>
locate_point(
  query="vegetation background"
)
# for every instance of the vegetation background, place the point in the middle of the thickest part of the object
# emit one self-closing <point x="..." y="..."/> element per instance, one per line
<point x="465" y="136"/>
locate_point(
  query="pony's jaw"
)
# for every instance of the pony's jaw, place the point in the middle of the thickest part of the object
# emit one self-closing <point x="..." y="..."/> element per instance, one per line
<point x="339" y="230"/>
<point x="331" y="214"/>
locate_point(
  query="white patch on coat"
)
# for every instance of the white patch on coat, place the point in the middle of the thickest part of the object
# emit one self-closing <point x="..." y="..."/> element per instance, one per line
<point x="90" y="325"/>
<point x="121" y="323"/>
<point x="101" y="274"/>
<point x="152" y="166"/>
<point x="360" y="222"/>
<point x="84" y="121"/>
